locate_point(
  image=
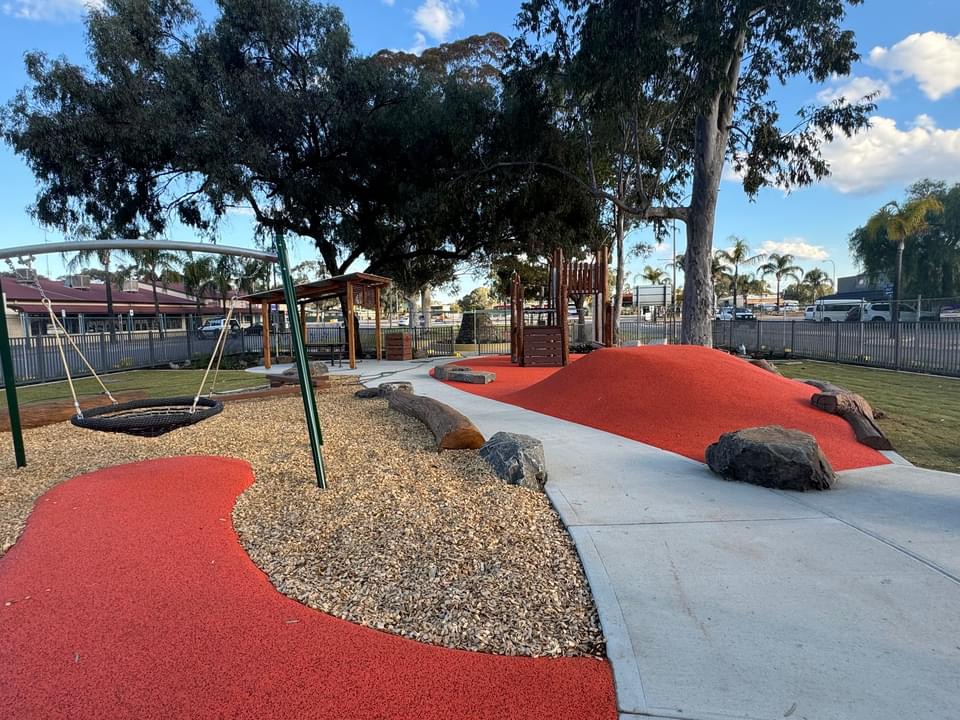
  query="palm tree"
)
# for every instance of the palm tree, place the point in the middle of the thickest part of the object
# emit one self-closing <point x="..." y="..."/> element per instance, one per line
<point x="655" y="276"/>
<point x="781" y="266"/>
<point x="224" y="271"/>
<point x="721" y="276"/>
<point x="198" y="279"/>
<point x="817" y="280"/>
<point x="80" y="260"/>
<point x="736" y="256"/>
<point x="156" y="266"/>
<point x="901" y="223"/>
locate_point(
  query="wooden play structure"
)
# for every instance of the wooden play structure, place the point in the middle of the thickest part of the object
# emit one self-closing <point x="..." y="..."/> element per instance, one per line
<point x="540" y="336"/>
<point x="356" y="289"/>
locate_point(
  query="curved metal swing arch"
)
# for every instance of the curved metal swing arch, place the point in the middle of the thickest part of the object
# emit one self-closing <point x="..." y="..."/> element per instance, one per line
<point x="280" y="257"/>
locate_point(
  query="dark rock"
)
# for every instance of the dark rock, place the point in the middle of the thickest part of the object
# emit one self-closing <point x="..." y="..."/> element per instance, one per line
<point x="383" y="389"/>
<point x="317" y="367"/>
<point x="517" y="459"/>
<point x="474" y="378"/>
<point x="443" y="372"/>
<point x="772" y="456"/>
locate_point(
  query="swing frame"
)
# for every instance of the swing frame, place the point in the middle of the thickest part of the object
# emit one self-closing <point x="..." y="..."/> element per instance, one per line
<point x="280" y="257"/>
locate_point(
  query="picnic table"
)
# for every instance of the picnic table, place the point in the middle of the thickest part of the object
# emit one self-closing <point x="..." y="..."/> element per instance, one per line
<point x="333" y="350"/>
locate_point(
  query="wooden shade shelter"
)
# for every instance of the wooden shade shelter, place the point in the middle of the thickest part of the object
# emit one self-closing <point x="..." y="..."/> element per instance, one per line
<point x="359" y="289"/>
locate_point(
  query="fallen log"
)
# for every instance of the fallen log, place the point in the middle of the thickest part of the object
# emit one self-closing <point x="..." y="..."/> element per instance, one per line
<point x="854" y="409"/>
<point x="764" y="365"/>
<point x="452" y="429"/>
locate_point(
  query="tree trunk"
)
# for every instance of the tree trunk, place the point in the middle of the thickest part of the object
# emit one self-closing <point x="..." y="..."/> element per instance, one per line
<point x="895" y="311"/>
<point x="618" y="282"/>
<point x="578" y="302"/>
<point x="156" y="303"/>
<point x="711" y="136"/>
<point x="411" y="311"/>
<point x="108" y="279"/>
<point x="425" y="305"/>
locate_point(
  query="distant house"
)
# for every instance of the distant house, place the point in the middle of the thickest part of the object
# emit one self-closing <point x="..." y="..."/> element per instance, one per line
<point x="81" y="305"/>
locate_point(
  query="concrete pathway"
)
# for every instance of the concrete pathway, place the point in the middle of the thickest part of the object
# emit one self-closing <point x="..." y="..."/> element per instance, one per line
<point x="723" y="600"/>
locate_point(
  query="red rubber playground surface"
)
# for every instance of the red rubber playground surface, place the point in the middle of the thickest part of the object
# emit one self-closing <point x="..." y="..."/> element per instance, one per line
<point x="129" y="596"/>
<point x="676" y="397"/>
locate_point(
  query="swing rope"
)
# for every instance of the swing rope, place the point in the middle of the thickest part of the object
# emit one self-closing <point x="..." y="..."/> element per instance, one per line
<point x="63" y="357"/>
<point x="217" y="355"/>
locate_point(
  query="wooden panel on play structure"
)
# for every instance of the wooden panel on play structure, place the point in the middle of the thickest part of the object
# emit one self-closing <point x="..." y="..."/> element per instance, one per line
<point x="542" y="346"/>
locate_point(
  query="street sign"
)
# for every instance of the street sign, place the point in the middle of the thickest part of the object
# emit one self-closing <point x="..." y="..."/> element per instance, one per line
<point x="655" y="295"/>
<point x="888" y="290"/>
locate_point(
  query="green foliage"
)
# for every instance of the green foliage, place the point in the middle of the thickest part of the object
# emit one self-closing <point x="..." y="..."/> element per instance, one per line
<point x="814" y="284"/>
<point x="682" y="87"/>
<point x="268" y="107"/>
<point x="928" y="222"/>
<point x="737" y="255"/>
<point x="477" y="299"/>
<point x="655" y="276"/>
<point x="781" y="267"/>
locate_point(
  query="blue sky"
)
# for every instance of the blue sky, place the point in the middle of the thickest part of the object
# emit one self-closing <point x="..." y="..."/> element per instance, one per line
<point x="911" y="55"/>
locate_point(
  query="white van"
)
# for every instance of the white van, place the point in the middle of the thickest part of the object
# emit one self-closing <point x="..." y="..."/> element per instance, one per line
<point x="833" y="310"/>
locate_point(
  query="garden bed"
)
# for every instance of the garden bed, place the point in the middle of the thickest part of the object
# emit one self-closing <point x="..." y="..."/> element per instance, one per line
<point x="429" y="546"/>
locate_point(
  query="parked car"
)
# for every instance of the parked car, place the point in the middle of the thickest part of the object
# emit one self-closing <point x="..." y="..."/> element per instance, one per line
<point x="253" y="330"/>
<point x="882" y="312"/>
<point x="809" y="312"/>
<point x="214" y="326"/>
<point x="728" y="313"/>
<point x="950" y="313"/>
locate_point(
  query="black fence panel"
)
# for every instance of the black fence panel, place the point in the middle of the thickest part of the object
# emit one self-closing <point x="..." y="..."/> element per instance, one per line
<point x="929" y="347"/>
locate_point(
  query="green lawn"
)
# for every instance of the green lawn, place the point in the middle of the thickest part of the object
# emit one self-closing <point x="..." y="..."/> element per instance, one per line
<point x="156" y="383"/>
<point x="922" y="411"/>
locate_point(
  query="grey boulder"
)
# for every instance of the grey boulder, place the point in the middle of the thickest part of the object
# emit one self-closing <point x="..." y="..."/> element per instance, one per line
<point x="517" y="459"/>
<point x="773" y="457"/>
<point x="317" y="367"/>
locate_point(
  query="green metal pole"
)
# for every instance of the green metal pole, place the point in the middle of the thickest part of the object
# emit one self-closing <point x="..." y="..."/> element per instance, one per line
<point x="300" y="358"/>
<point x="10" y="385"/>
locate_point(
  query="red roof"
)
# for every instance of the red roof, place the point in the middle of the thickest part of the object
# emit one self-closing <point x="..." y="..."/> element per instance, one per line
<point x="93" y="300"/>
<point x="34" y="308"/>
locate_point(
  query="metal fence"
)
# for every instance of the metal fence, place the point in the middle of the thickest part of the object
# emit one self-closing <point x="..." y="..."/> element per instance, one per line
<point x="930" y="347"/>
<point x="37" y="359"/>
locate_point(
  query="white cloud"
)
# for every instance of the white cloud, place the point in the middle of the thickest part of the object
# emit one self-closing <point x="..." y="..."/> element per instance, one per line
<point x="932" y="58"/>
<point x="419" y="43"/>
<point x="389" y="3"/>
<point x="886" y="154"/>
<point x="437" y="18"/>
<point x="798" y="247"/>
<point x="854" y="89"/>
<point x="49" y="10"/>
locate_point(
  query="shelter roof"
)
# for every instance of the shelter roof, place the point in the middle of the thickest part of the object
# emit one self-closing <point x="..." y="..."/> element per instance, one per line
<point x="323" y="289"/>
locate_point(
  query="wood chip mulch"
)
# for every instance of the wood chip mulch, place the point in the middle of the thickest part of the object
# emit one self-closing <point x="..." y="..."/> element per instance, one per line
<point x="429" y="546"/>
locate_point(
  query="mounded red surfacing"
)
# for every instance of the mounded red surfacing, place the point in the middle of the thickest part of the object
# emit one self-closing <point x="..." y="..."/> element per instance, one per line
<point x="130" y="597"/>
<point x="676" y="397"/>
